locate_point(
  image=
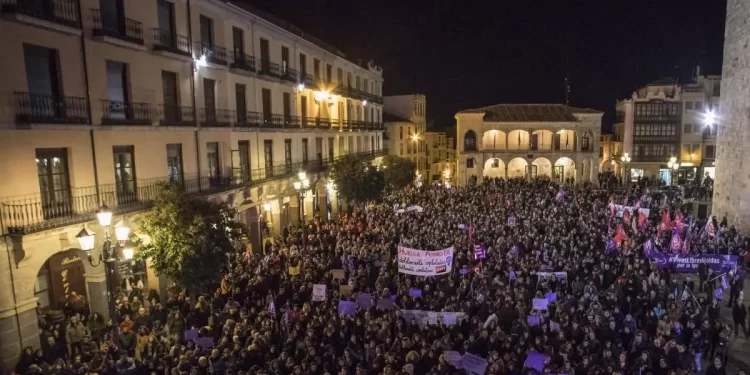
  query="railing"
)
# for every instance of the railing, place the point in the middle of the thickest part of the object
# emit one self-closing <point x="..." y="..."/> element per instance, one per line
<point x="116" y="27"/>
<point x="289" y="74"/>
<point x="242" y="61"/>
<point x="176" y="115"/>
<point x="308" y="80"/>
<point x="216" y="117"/>
<point x="353" y="93"/>
<point x="165" y="40"/>
<point x="269" y="68"/>
<point x="249" y="119"/>
<point x="214" y="54"/>
<point x="119" y="112"/>
<point x="322" y="123"/>
<point x="50" y="109"/>
<point x="36" y="212"/>
<point x="63" y="12"/>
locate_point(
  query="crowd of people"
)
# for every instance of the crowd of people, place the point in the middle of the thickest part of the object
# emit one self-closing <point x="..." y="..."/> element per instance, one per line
<point x="607" y="311"/>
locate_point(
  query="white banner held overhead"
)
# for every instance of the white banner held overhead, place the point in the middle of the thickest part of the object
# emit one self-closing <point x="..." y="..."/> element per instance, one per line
<point x="424" y="262"/>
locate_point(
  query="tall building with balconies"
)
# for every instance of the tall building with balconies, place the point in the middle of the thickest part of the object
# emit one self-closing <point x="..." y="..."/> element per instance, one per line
<point x="441" y="157"/>
<point x="101" y="101"/>
<point x="527" y="141"/>
<point x="412" y="108"/>
<point x="664" y="120"/>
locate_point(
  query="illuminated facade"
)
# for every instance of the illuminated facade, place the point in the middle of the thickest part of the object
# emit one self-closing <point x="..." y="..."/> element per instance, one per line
<point x="528" y="141"/>
<point x="413" y="109"/>
<point x="205" y="94"/>
<point x="441" y="157"/>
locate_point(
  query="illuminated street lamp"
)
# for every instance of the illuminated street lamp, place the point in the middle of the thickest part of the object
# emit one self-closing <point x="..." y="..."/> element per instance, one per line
<point x="673" y="165"/>
<point x="109" y="252"/>
<point x="302" y="185"/>
<point x="709" y="118"/>
<point x="625" y="158"/>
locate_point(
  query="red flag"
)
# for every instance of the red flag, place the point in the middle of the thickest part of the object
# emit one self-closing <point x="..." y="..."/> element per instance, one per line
<point x="710" y="228"/>
<point x="642" y="219"/>
<point x="620" y="234"/>
<point x="666" y="223"/>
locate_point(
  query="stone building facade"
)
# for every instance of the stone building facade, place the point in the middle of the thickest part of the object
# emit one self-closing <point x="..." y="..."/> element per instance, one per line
<point x="732" y="184"/>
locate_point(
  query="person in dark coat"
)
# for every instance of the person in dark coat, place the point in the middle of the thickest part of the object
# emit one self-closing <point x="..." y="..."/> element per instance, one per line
<point x="739" y="315"/>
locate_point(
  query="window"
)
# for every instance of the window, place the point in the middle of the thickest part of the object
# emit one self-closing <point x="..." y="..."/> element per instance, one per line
<point x="710" y="152"/>
<point x="171" y="113"/>
<point x="470" y="141"/>
<point x="288" y="154"/>
<point x="268" y="154"/>
<point x="470" y="163"/>
<point x="244" y="153"/>
<point x="209" y="101"/>
<point x="42" y="77"/>
<point x="304" y="151"/>
<point x="316" y="69"/>
<point x="340" y="76"/>
<point x="117" y="92"/>
<point x="240" y="103"/>
<point x="698" y="106"/>
<point x="359" y="143"/>
<point x="687" y="128"/>
<point x="329" y="72"/>
<point x="284" y="60"/>
<point x="265" y="56"/>
<point x="266" y="102"/>
<point x="585" y="143"/>
<point x="401" y="149"/>
<point x="357" y="80"/>
<point x="365" y="84"/>
<point x="54" y="182"/>
<point x="125" y="174"/>
<point x="319" y="148"/>
<point x="42" y="286"/>
<point x="238" y="41"/>
<point x="214" y="167"/>
<point x="174" y="163"/>
<point x="287" y="100"/>
<point x="165" y="15"/>
<point x="688" y="106"/>
<point x="207" y="33"/>
<point x="302" y="64"/>
<point x="330" y="148"/>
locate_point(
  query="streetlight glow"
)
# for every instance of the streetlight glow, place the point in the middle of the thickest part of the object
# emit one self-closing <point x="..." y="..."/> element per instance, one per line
<point x="128" y="253"/>
<point x="267" y="207"/>
<point x="709" y="118"/>
<point x="297" y="185"/>
<point x="415" y="137"/>
<point x="302" y="175"/>
<point x="104" y="215"/>
<point x="85" y="240"/>
<point x="121" y="232"/>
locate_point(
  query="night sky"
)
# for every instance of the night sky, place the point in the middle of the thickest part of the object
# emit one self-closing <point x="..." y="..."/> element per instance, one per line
<point x="466" y="54"/>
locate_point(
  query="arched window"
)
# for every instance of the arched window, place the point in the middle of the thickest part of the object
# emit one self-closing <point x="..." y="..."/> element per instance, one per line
<point x="585" y="142"/>
<point x="470" y="141"/>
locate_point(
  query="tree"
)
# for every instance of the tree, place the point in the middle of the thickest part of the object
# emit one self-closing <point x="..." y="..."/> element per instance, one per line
<point x="398" y="172"/>
<point x="189" y="238"/>
<point x="356" y="179"/>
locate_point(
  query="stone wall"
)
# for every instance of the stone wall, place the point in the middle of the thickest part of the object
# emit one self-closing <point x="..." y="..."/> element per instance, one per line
<point x="732" y="185"/>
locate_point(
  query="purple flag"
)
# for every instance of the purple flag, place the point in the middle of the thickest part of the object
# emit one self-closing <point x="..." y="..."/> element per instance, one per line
<point x="479" y="252"/>
<point x="191" y="335"/>
<point x="533" y="320"/>
<point x="385" y="303"/>
<point x="719" y="293"/>
<point x="205" y="342"/>
<point x="611" y="246"/>
<point x="551" y="297"/>
<point x="648" y="248"/>
<point x="414" y="292"/>
<point x="724" y="282"/>
<point x="535" y="360"/>
<point x="512" y="276"/>
<point x="560" y="194"/>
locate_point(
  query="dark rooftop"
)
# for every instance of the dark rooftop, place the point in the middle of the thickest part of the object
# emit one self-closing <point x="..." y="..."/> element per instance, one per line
<point x="389" y="117"/>
<point x="531" y="112"/>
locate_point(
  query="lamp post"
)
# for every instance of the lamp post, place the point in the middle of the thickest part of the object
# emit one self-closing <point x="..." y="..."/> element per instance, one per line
<point x="673" y="165"/>
<point x="109" y="253"/>
<point x="331" y="190"/>
<point x="302" y="185"/>
<point x="625" y="161"/>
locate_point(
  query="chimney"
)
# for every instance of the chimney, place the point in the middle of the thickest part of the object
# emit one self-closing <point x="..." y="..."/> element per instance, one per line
<point x="698" y="71"/>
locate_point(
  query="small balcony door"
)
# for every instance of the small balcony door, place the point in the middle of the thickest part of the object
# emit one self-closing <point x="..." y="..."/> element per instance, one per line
<point x="287" y="107"/>
<point x="43" y="80"/>
<point x="117" y="91"/>
<point x="54" y="182"/>
<point x="244" y="162"/>
<point x="241" y="103"/>
<point x="268" y="154"/>
<point x="165" y="14"/>
<point x="284" y="60"/>
<point x="265" y="55"/>
<point x="112" y="16"/>
<point x="558" y="173"/>
<point x="174" y="164"/>
<point x="209" y="99"/>
<point x="266" y="101"/>
<point x="207" y="34"/>
<point x="125" y="181"/>
<point x="238" y="40"/>
<point x="214" y="163"/>
<point x="170" y="95"/>
<point x="303" y="109"/>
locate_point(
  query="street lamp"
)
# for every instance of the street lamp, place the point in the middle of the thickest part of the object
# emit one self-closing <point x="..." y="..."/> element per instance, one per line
<point x="672" y="164"/>
<point x="709" y="118"/>
<point x="625" y="161"/>
<point x="109" y="251"/>
<point x="302" y="186"/>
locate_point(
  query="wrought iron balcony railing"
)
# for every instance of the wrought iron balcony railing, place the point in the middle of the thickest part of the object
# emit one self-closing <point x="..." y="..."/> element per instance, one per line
<point x="213" y="53"/>
<point x="116" y="26"/>
<point x="36" y="212"/>
<point x="289" y="74"/>
<point x="242" y="61"/>
<point x="165" y="40"/>
<point x="269" y="68"/>
<point x="211" y="117"/>
<point x="63" y="12"/>
<point x="119" y="112"/>
<point x="49" y="109"/>
<point x="175" y="115"/>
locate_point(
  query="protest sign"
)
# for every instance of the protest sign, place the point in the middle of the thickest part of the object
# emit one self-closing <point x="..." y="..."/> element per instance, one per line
<point x="204" y="342"/>
<point x="554" y="326"/>
<point x="338" y="274"/>
<point x="319" y="292"/>
<point x="191" y="335"/>
<point x="551" y="297"/>
<point x="347" y="307"/>
<point x="474" y="363"/>
<point x="385" y="303"/>
<point x="345" y="290"/>
<point x="533" y="320"/>
<point x="540" y="304"/>
<point x="294" y="271"/>
<point x="420" y="316"/>
<point x="535" y="360"/>
<point x="413" y="292"/>
<point x="424" y="262"/>
<point x="454" y="358"/>
<point x="449" y="319"/>
<point x="690" y="262"/>
<point x="364" y="300"/>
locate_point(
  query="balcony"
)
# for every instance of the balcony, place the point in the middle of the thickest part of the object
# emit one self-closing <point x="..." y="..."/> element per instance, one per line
<point x="214" y="54"/>
<point x="270" y="69"/>
<point x="50" y="109"/>
<point x="61" y="12"/>
<point x="249" y="119"/>
<point x="165" y="40"/>
<point x="173" y="115"/>
<point x="242" y="61"/>
<point x="307" y="79"/>
<point x="115" y="26"/>
<point x="352" y="93"/>
<point x="322" y="123"/>
<point x="216" y="117"/>
<point x="119" y="112"/>
<point x="289" y="74"/>
<point x="37" y="212"/>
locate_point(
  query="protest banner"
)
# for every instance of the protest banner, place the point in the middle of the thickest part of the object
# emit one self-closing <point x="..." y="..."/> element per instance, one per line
<point x="424" y="262"/>
<point x="474" y="363"/>
<point x="454" y="358"/>
<point x="420" y="317"/>
<point x="690" y="262"/>
<point x="319" y="292"/>
<point x="535" y="360"/>
<point x="364" y="300"/>
<point x="345" y="290"/>
<point x="191" y="335"/>
<point x="347" y="307"/>
<point x="551" y="297"/>
<point x="338" y="274"/>
<point x="294" y="271"/>
<point x="414" y="292"/>
<point x="540" y="304"/>
<point x="533" y="320"/>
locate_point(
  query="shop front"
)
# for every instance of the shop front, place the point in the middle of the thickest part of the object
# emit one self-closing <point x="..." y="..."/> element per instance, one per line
<point x="61" y="281"/>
